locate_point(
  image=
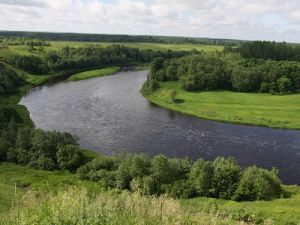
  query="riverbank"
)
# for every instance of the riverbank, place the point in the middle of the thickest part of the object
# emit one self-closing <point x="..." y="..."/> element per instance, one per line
<point x="225" y="106"/>
<point x="94" y="73"/>
<point x="17" y="182"/>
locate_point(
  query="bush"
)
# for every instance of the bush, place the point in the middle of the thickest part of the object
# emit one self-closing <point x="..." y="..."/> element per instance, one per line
<point x="173" y="95"/>
<point x="180" y="178"/>
<point x="284" y="85"/>
<point x="226" y="175"/>
<point x="69" y="157"/>
<point x="200" y="176"/>
<point x="258" y="184"/>
<point x="179" y="189"/>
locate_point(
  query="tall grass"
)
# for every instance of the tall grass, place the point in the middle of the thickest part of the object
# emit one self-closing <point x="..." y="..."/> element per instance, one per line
<point x="76" y="206"/>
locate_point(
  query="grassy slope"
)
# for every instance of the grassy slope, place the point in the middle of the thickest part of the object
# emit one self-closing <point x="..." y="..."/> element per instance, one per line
<point x="245" y="108"/>
<point x="280" y="211"/>
<point x="205" y="210"/>
<point x="94" y="73"/>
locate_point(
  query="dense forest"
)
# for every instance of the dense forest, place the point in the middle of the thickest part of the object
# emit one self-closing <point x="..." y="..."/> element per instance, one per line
<point x="267" y="50"/>
<point x="207" y="72"/>
<point x="70" y="58"/>
<point x="116" y="38"/>
<point x="9" y="79"/>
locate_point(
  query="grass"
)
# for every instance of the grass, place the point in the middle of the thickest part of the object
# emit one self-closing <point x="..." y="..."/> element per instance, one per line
<point x="75" y="206"/>
<point x="94" y="73"/>
<point x="279" y="212"/>
<point x="19" y="179"/>
<point x="11" y="50"/>
<point x="144" y="46"/>
<point x="243" y="108"/>
<point x="29" y="196"/>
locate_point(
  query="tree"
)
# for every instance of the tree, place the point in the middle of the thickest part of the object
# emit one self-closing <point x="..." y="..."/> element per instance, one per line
<point x="226" y="176"/>
<point x="23" y="139"/>
<point x="69" y="157"/>
<point x="284" y="85"/>
<point x="258" y="184"/>
<point x="201" y="176"/>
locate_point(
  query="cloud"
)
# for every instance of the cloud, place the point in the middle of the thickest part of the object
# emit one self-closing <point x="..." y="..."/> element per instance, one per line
<point x="239" y="19"/>
<point x="26" y="3"/>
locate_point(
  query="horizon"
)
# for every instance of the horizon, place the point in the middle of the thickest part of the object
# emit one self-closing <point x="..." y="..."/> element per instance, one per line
<point x="270" y="20"/>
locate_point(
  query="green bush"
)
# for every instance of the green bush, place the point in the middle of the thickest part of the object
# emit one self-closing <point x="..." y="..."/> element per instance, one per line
<point x="258" y="184"/>
<point x="201" y="176"/>
<point x="226" y="175"/>
<point x="69" y="157"/>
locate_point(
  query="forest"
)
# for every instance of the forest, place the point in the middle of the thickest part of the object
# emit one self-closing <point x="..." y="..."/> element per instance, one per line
<point x="70" y="58"/>
<point x="208" y="72"/>
<point x="116" y="38"/>
<point x="267" y="50"/>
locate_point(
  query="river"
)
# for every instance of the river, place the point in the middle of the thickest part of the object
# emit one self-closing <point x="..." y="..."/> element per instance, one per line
<point x="109" y="115"/>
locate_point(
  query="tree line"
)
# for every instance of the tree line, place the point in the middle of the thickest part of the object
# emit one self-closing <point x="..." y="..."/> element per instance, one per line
<point x="117" y="38"/>
<point x="267" y="50"/>
<point x="4" y="41"/>
<point x="39" y="149"/>
<point x="86" y="57"/>
<point x="208" y="72"/>
<point x="182" y="178"/>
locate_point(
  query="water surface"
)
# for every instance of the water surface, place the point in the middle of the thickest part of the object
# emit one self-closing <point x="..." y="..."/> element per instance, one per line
<point x="109" y="115"/>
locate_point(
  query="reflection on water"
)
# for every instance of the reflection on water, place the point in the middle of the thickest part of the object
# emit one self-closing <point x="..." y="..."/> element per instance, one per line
<point x="110" y="115"/>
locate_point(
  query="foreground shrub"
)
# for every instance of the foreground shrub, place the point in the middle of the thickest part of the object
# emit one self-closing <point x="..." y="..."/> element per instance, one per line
<point x="181" y="178"/>
<point x="258" y="184"/>
<point x="69" y="157"/>
<point x="75" y="206"/>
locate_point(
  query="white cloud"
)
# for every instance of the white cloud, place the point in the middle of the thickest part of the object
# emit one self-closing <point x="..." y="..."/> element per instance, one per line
<point x="240" y="19"/>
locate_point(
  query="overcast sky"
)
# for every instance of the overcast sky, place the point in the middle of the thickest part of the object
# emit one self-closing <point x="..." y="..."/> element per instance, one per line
<point x="238" y="19"/>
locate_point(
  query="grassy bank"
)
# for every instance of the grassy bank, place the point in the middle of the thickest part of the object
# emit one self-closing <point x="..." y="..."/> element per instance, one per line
<point x="32" y="196"/>
<point x="94" y="73"/>
<point x="243" y="108"/>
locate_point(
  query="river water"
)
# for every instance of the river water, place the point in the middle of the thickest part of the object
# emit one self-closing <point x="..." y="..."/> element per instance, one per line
<point x="109" y="115"/>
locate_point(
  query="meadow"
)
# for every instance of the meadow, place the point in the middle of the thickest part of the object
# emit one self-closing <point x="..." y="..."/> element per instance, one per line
<point x="150" y="46"/>
<point x="234" y="107"/>
<point x="94" y="73"/>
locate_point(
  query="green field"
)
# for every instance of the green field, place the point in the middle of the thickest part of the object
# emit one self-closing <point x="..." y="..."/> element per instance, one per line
<point x="243" y="108"/>
<point x="152" y="46"/>
<point x="11" y="50"/>
<point x="27" y="190"/>
<point x="94" y="73"/>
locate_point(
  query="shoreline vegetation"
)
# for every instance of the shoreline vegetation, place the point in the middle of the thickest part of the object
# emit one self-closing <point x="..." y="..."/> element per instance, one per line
<point x="94" y="73"/>
<point x="254" y="109"/>
<point x="256" y="83"/>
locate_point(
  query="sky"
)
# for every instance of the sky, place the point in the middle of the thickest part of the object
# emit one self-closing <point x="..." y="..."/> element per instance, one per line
<point x="277" y="20"/>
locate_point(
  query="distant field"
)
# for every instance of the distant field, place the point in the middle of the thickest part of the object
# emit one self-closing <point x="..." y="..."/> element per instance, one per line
<point x="94" y="73"/>
<point x="11" y="50"/>
<point x="244" y="108"/>
<point x="153" y="46"/>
